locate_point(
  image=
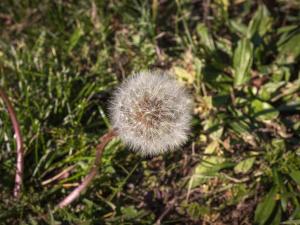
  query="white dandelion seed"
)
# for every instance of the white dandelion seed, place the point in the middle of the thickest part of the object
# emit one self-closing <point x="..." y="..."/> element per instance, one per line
<point x="151" y="112"/>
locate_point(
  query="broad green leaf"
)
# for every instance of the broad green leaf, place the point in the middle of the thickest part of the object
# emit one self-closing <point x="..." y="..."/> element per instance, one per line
<point x="265" y="207"/>
<point x="212" y="147"/>
<point x="242" y="62"/>
<point x="278" y="144"/>
<point x="213" y="127"/>
<point x="129" y="212"/>
<point x="286" y="30"/>
<point x="207" y="169"/>
<point x="282" y="188"/>
<point x="195" y="210"/>
<point x="224" y="45"/>
<point x="263" y="111"/>
<point x="291" y="46"/>
<point x="238" y="193"/>
<point x="206" y="38"/>
<point x="269" y="89"/>
<point x="295" y="175"/>
<point x="296" y="212"/>
<point x="209" y="165"/>
<point x="277" y="216"/>
<point x="244" y="166"/>
<point x="260" y="23"/>
<point x="237" y="27"/>
<point x="240" y="127"/>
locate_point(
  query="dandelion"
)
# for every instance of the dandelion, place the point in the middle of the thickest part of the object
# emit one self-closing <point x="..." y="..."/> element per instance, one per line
<point x="151" y="112"/>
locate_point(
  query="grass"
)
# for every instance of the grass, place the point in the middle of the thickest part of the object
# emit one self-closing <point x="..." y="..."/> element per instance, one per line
<point x="61" y="60"/>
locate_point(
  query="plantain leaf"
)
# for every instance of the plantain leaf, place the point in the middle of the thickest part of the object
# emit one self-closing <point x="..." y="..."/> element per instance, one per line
<point x="242" y="62"/>
<point x="244" y="166"/>
<point x="206" y="38"/>
<point x="264" y="111"/>
<point x="265" y="207"/>
<point x="208" y="168"/>
<point x="196" y="211"/>
<point x="291" y="46"/>
<point x="261" y="22"/>
<point x="277" y="216"/>
<point x="295" y="175"/>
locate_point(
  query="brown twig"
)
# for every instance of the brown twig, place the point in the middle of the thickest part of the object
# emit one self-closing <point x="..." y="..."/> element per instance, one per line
<point x="19" y="141"/>
<point x="87" y="180"/>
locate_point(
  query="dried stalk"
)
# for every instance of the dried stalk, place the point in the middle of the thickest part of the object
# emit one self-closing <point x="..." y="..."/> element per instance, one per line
<point x="19" y="141"/>
<point x="87" y="180"/>
<point x="58" y="176"/>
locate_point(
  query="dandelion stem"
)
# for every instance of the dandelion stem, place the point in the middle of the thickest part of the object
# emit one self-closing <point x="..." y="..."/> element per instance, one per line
<point x="104" y="140"/>
<point x="19" y="141"/>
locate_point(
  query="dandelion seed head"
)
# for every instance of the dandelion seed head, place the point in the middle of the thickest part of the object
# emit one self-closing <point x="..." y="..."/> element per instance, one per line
<point x="151" y="112"/>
